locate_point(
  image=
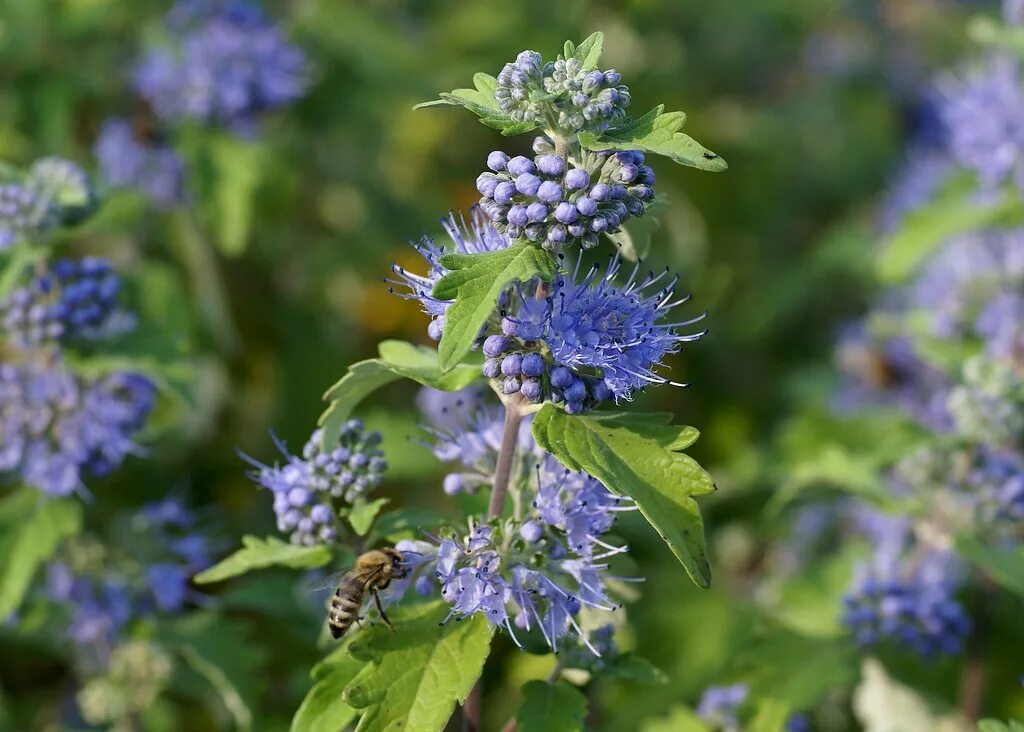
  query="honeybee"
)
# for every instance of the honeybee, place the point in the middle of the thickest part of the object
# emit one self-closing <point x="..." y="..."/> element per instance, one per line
<point x="372" y="572"/>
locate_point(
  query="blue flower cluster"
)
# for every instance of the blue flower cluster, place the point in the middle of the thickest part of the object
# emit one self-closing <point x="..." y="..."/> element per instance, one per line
<point x="21" y="214"/>
<point x="69" y="300"/>
<point x="311" y="491"/>
<point x="57" y="426"/>
<point x="105" y="590"/>
<point x="225" y="63"/>
<point x="555" y="203"/>
<point x="561" y="94"/>
<point x="719" y="706"/>
<point x="62" y="187"/>
<point x="129" y="160"/>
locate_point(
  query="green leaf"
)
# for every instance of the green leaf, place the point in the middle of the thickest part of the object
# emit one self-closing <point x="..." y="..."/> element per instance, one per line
<point x="953" y="211"/>
<point x="363" y="512"/>
<point x="989" y="32"/>
<point x="405" y="523"/>
<point x="680" y="719"/>
<point x="1005" y="566"/>
<point x="480" y="101"/>
<point x="323" y="709"/>
<point x="838" y="469"/>
<point x="237" y="165"/>
<point x="771" y="716"/>
<point x="398" y="359"/>
<point x="16" y="264"/>
<point x="638" y="455"/>
<point x="633" y="667"/>
<point x="656" y="132"/>
<point x="546" y="707"/>
<point x="259" y="553"/>
<point x="589" y="52"/>
<point x="413" y="676"/>
<point x="994" y="725"/>
<point x="474" y="282"/>
<point x="31" y="530"/>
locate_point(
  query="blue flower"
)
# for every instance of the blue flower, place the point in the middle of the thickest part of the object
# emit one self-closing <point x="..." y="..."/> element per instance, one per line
<point x="57" y="426"/>
<point x="22" y="214"/>
<point x="126" y="161"/>
<point x="310" y="490"/>
<point x="225" y="64"/>
<point x="719" y="705"/>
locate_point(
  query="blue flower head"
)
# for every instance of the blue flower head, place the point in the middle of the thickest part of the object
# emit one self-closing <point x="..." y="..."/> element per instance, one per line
<point x="128" y="161"/>
<point x="719" y="705"/>
<point x="22" y="214"/>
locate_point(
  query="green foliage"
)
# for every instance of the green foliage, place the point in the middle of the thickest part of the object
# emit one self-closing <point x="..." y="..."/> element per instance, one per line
<point x="363" y="512"/>
<point x="397" y="360"/>
<point x="480" y="101"/>
<point x="323" y="709"/>
<point x="638" y="455"/>
<point x="236" y="167"/>
<point x="31" y="530"/>
<point x="771" y="716"/>
<point x="1004" y="566"/>
<point x="556" y="707"/>
<point x="259" y="553"/>
<point x="835" y="468"/>
<point x="656" y="132"/>
<point x="994" y="725"/>
<point x="681" y="719"/>
<point x="634" y="668"/>
<point x="588" y="53"/>
<point x="412" y="677"/>
<point x="474" y="282"/>
<point x="634" y="238"/>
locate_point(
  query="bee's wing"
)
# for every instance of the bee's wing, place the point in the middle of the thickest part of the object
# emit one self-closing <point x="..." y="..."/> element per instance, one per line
<point x="330" y="581"/>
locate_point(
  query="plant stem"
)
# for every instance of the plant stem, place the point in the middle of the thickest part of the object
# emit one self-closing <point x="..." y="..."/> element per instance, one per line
<point x="972" y="676"/>
<point x="506" y="457"/>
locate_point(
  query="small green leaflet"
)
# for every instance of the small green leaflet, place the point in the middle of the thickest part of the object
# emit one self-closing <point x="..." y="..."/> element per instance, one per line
<point x="413" y="676"/>
<point x="31" y="530"/>
<point x="656" y="132"/>
<point x="480" y="101"/>
<point x="323" y="709"/>
<point x="474" y="282"/>
<point x="1005" y="566"/>
<point x="259" y="553"/>
<point x="363" y="512"/>
<point x="771" y="716"/>
<point x="587" y="53"/>
<point x="1001" y="35"/>
<point x="638" y="455"/>
<point x="994" y="725"/>
<point x="397" y="360"/>
<point x="952" y="212"/>
<point x="546" y="707"/>
<point x="237" y="166"/>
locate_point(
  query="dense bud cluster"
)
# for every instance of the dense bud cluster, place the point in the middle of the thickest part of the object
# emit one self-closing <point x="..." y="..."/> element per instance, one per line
<point x="309" y="491"/>
<point x="555" y="203"/>
<point x="562" y="94"/>
<point x="225" y="64"/>
<point x="21" y="212"/>
<point x="71" y="299"/>
<point x="64" y="186"/>
<point x="128" y="161"/>
<point x="56" y="426"/>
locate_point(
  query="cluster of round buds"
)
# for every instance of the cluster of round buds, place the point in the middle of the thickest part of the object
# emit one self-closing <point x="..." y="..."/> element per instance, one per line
<point x="556" y="204"/>
<point x="71" y="299"/>
<point x="64" y="186"/>
<point x="21" y="211"/>
<point x="563" y="92"/>
<point x="309" y="491"/>
<point x="524" y="371"/>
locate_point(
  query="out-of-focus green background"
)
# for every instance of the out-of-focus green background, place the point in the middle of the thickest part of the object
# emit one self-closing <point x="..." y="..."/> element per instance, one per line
<point x="811" y="102"/>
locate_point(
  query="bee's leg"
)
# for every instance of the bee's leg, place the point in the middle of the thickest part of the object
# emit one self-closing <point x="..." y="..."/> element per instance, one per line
<point x="380" y="609"/>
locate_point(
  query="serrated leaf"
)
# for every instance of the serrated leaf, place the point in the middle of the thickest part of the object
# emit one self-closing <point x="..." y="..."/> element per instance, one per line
<point x="397" y="360"/>
<point x="633" y="667"/>
<point x="323" y="709"/>
<point x="656" y="132"/>
<point x="637" y="455"/>
<point x="259" y="553"/>
<point x="1005" y="566"/>
<point x="480" y="101"/>
<point x="953" y="211"/>
<point x="363" y="512"/>
<point x="474" y="282"/>
<point x="546" y="707"/>
<point x="33" y="528"/>
<point x="589" y="52"/>
<point x="413" y="676"/>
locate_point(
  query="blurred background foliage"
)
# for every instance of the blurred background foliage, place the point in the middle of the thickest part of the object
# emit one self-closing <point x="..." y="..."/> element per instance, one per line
<point x="810" y="101"/>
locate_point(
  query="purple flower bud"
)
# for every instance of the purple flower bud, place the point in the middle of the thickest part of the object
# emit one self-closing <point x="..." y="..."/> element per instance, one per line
<point x="510" y="386"/>
<point x="531" y="531"/>
<point x="635" y="206"/>
<point x="618" y="192"/>
<point x="601" y="192"/>
<point x="486" y="183"/>
<point x="593" y="80"/>
<point x="299" y="496"/>
<point x="586" y="206"/>
<point x="646" y="175"/>
<point x="549" y="192"/>
<point x="576" y="391"/>
<point x="574" y="407"/>
<point x="565" y="212"/>
<point x="495" y="346"/>
<point x="579" y="99"/>
<point x="644" y="193"/>
<point x="320" y="513"/>
<point x="577" y="229"/>
<point x="452" y="484"/>
<point x="556" y="234"/>
<point x="436" y="329"/>
<point x="535" y="232"/>
<point x="561" y="377"/>
<point x="627" y="173"/>
<point x="601" y="391"/>
<point x="612" y="77"/>
<point x="491" y="368"/>
<point x="509" y="327"/>
<point x="517" y="215"/>
<point x="424" y="586"/>
<point x="531" y="389"/>
<point x="504" y="192"/>
<point x="533" y="364"/>
<point x="497" y="161"/>
<point x="577" y="179"/>
<point x="537" y="211"/>
<point x="599" y="224"/>
<point x="527" y="184"/>
<point x="511" y="365"/>
<point x="529" y="62"/>
<point x="551" y="164"/>
<point x="520" y="164"/>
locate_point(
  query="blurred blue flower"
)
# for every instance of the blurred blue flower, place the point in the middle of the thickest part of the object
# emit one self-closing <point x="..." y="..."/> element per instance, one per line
<point x="719" y="705"/>
<point x="127" y="161"/>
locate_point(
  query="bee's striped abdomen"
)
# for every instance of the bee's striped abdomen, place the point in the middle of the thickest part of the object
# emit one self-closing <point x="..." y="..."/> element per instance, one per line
<point x="345" y="605"/>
